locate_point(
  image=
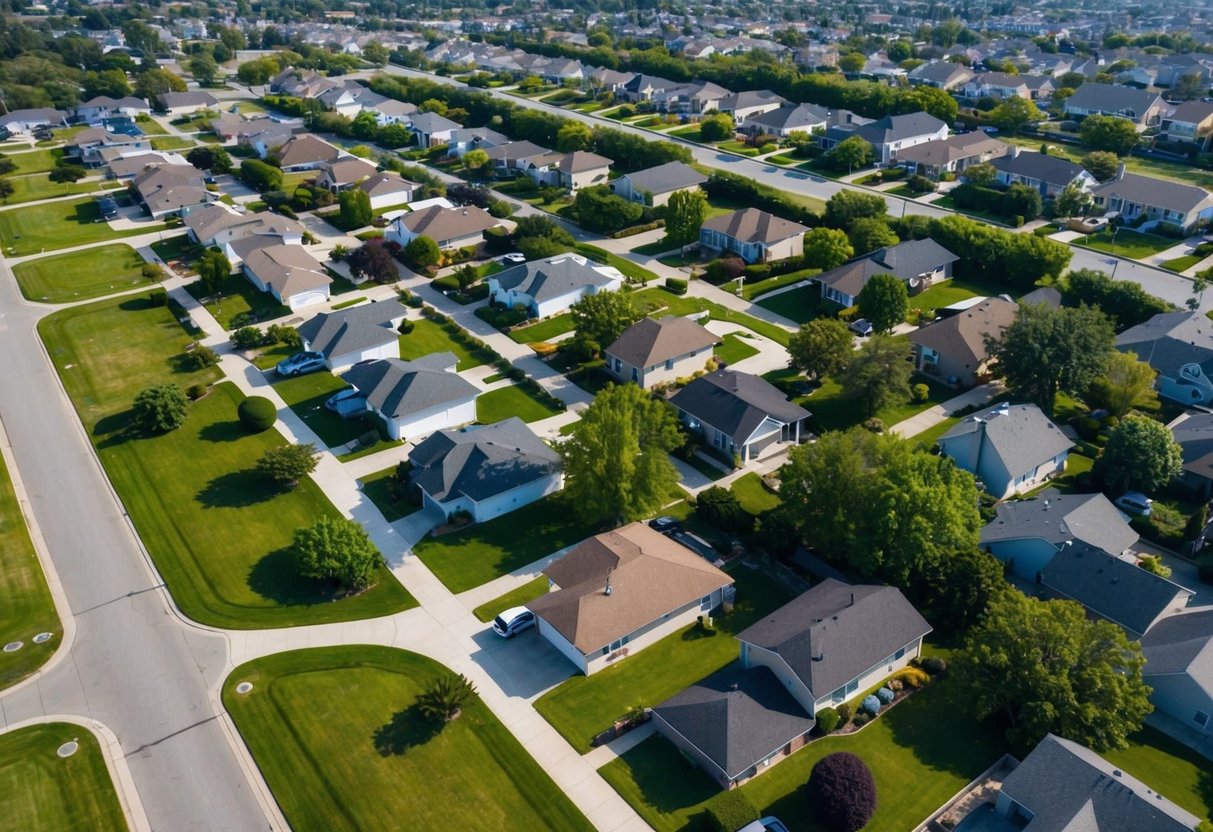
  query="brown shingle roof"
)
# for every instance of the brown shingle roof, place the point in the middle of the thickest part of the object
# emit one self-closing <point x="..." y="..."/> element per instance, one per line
<point x="750" y="225"/>
<point x="649" y="342"/>
<point x="963" y="336"/>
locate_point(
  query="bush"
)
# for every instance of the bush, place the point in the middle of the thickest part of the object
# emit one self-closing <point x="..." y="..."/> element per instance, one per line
<point x="933" y="665"/>
<point x="841" y="792"/>
<point x="920" y="392"/>
<point x="828" y="720"/>
<point x="406" y="326"/>
<point x="844" y="712"/>
<point x="720" y="507"/>
<point x="920" y="184"/>
<point x="257" y="413"/>
<point x="861" y="719"/>
<point x="247" y="338"/>
<point x="676" y="285"/>
<point x="201" y="357"/>
<point x="725" y="269"/>
<point x="157" y="299"/>
<point x="160" y="408"/>
<point x="196" y="391"/>
<point x="912" y="677"/>
<point x="870" y="704"/>
<point x="885" y="695"/>
<point x="288" y="336"/>
<point x="730" y="811"/>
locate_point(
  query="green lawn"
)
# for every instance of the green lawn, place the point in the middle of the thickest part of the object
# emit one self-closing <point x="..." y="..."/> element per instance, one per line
<point x="657" y="300"/>
<point x="337" y="735"/>
<point x="833" y="411"/>
<point x="219" y="536"/>
<point x="691" y="133"/>
<point x="52" y="225"/>
<point x="1129" y="243"/>
<point x="172" y="143"/>
<point x="27" y="609"/>
<point x="655" y="248"/>
<point x="80" y="275"/>
<point x="543" y="330"/>
<point x="484" y="551"/>
<point x="634" y="272"/>
<point x="952" y="291"/>
<point x="733" y="348"/>
<point x="738" y="147"/>
<point x="931" y="435"/>
<point x="39" y="186"/>
<point x="237" y="298"/>
<point x="514" y="598"/>
<point x="35" y="161"/>
<point x="753" y="495"/>
<point x="1170" y="768"/>
<point x="510" y="401"/>
<point x="797" y="305"/>
<point x="712" y="472"/>
<point x="583" y="706"/>
<point x="920" y="753"/>
<point x="40" y="792"/>
<point x="306" y="394"/>
<point x="1179" y="264"/>
<point x="753" y="289"/>
<point x="381" y="489"/>
<point x="428" y="337"/>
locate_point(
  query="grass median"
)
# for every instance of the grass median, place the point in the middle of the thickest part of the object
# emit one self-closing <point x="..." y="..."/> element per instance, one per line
<point x="81" y="275"/>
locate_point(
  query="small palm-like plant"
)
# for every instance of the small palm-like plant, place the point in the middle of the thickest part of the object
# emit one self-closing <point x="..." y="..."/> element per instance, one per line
<point x="444" y="698"/>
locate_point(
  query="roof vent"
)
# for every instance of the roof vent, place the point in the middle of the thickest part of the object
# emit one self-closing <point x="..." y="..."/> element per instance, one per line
<point x="733" y="686"/>
<point x="1116" y="773"/>
<point x="1046" y="505"/>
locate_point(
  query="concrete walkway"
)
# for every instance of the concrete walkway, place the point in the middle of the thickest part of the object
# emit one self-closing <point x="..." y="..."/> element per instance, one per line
<point x="932" y="416"/>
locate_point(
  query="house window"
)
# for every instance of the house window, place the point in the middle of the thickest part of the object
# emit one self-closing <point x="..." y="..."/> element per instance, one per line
<point x="899" y="654"/>
<point x="635" y="374"/>
<point x="669" y="365"/>
<point x="614" y="645"/>
<point x="618" y="365"/>
<point x="705" y="603"/>
<point x="1201" y="719"/>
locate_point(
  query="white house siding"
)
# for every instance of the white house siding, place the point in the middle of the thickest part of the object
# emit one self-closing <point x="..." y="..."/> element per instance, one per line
<point x="1025" y="557"/>
<point x="302" y="299"/>
<point x="425" y="423"/>
<point x="516" y="498"/>
<point x="1037" y="476"/>
<point x="1179" y="696"/>
<point x="562" y="644"/>
<point x="390" y="199"/>
<point x="647" y="377"/>
<point x="341" y="363"/>
<point x="585" y="179"/>
<point x="556" y="306"/>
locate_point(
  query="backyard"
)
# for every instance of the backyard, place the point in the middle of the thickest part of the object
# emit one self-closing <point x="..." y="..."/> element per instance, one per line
<point x="505" y="402"/>
<point x="381" y="765"/>
<point x="238" y="299"/>
<point x="35" y="161"/>
<point x="54" y="225"/>
<point x="80" y="275"/>
<point x="1170" y="768"/>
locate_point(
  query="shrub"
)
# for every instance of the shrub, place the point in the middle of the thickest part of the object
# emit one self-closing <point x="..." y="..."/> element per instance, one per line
<point x="285" y="335"/>
<point x="861" y="719"/>
<point x="912" y="677"/>
<point x="933" y="665"/>
<point x="841" y="791"/>
<point x="828" y="720"/>
<point x="676" y="285"/>
<point x="287" y="464"/>
<point x="725" y="269"/>
<point x="201" y="357"/>
<point x="247" y="337"/>
<point x="844" y="712"/>
<point x="160" y="408"/>
<point x="257" y="413"/>
<point x="406" y="326"/>
<point x="196" y="391"/>
<point x="730" y="811"/>
<point x="920" y="184"/>
<point x="885" y="695"/>
<point x="870" y="704"/>
<point x="894" y="685"/>
<point x="157" y="299"/>
<point x="920" y="392"/>
<point x="720" y="507"/>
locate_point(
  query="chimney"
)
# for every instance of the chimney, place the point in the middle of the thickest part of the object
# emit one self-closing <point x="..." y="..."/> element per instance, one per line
<point x="1014" y="154"/>
<point x="1120" y="171"/>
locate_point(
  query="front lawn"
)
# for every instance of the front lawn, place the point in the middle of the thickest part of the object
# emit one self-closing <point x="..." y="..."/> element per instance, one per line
<point x="428" y="337"/>
<point x="80" y="275"/>
<point x="39" y="186"/>
<point x="53" y="225"/>
<point x="484" y="551"/>
<point x="753" y="289"/>
<point x="381" y="489"/>
<point x="1170" y="768"/>
<point x="238" y="300"/>
<point x="949" y="292"/>
<point x="42" y="792"/>
<point x="657" y="301"/>
<point x="505" y="402"/>
<point x="306" y="394"/>
<point x="798" y="305"/>
<point x="753" y="495"/>
<point x="583" y="706"/>
<point x="543" y="330"/>
<point x="340" y="741"/>
<point x="219" y="536"/>
<point x="35" y="161"/>
<point x="1129" y="243"/>
<point x="733" y="348"/>
<point x="514" y="598"/>
<point x="1182" y="263"/>
<point x="172" y="143"/>
<point x="833" y="411"/>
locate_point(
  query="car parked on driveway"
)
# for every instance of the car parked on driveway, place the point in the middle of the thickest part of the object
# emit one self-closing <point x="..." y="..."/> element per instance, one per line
<point x="1134" y="502"/>
<point x="665" y="525"/>
<point x="346" y="403"/>
<point x="300" y="363"/>
<point x="513" y="258"/>
<point x="767" y="824"/>
<point x="513" y="621"/>
<point x="861" y="327"/>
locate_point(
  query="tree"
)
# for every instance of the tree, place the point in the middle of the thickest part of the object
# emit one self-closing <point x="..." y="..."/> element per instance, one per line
<point x="850" y="154"/>
<point x="375" y="53"/>
<point x="826" y="248"/>
<point x="336" y="549"/>
<point x="203" y="67"/>
<point x="213" y="269"/>
<point x="444" y="698"/>
<point x="260" y="176"/>
<point x="982" y="174"/>
<point x="159" y="409"/>
<point x="598" y="209"/>
<point x="7" y="166"/>
<point x="603" y="316"/>
<point x="374" y="259"/>
<point x="1021" y="200"/>
<point x="1075" y="677"/>
<point x="209" y="157"/>
<point x="1045" y="351"/>
<point x="422" y="252"/>
<point x="153" y="272"/>
<point x="6" y="190"/>
<point x="842" y="792"/>
<point x="433" y="105"/>
<point x="1141" y="455"/>
<point x="1127" y="384"/>
<point x="847" y="206"/>
<point x="684" y="216"/>
<point x="1124" y="301"/>
<point x="1013" y="113"/>
<point x="870" y="233"/>
<point x="821" y="347"/>
<point x="1101" y="164"/>
<point x="152" y="83"/>
<point x="1190" y="86"/>
<point x="257" y="72"/>
<point x="616" y="462"/>
<point x="878" y="374"/>
<point x="852" y="62"/>
<point x="287" y="464"/>
<point x="1111" y="133"/>
<point x="355" y="208"/>
<point x="959" y="588"/>
<point x="716" y="127"/>
<point x="1073" y="201"/>
<point x="111" y="82"/>
<point x="884" y="301"/>
<point x="574" y="135"/>
<point x="475" y="159"/>
<point x="67" y="173"/>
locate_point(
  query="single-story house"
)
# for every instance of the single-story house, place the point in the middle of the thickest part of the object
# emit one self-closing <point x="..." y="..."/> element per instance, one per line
<point x="1132" y="195"/>
<point x="945" y="75"/>
<point x="784" y="121"/>
<point x="955" y="348"/>
<point x="288" y="272"/>
<point x="657" y="351"/>
<point x="345" y="337"/>
<point x="1142" y="107"/>
<point x="740" y="414"/>
<point x="1002" y="85"/>
<point x="388" y="188"/>
<point x="485" y="470"/>
<point x="889" y="135"/>
<point x="125" y="166"/>
<point x="695" y="98"/>
<point x="754" y="235"/>
<point x="1193" y="432"/>
<point x="1191" y="121"/>
<point x="431" y="129"/>
<point x="642" y="87"/>
<point x="391" y="111"/>
<point x="1179" y="668"/>
<point x="466" y="139"/>
<point x="655" y="186"/>
<point x="448" y="227"/>
<point x="184" y="103"/>
<point x="572" y="171"/>
<point x="101" y="107"/>
<point x="515" y="156"/>
<point x="620" y="591"/>
<point x="1048" y="174"/>
<point x="343" y="174"/>
<point x="218" y="224"/>
<point x="551" y="286"/>
<point x="749" y="103"/>
<point x="920" y="263"/>
<point x="23" y="122"/>
<point x="306" y="152"/>
<point x="1009" y="448"/>
<point x="952" y="154"/>
<point x="169" y="190"/>
<point x="415" y="398"/>
<point x="1179" y="346"/>
<point x="89" y="145"/>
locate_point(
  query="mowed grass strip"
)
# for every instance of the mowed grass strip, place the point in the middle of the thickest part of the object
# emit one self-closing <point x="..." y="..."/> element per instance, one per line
<point x="428" y="337"/>
<point x="81" y="275"/>
<point x="39" y="186"/>
<point x="54" y="225"/>
<point x="219" y="535"/>
<point x="514" y="598"/>
<point x="41" y="792"/>
<point x="35" y="161"/>
<point x="342" y="747"/>
<point x="510" y="401"/>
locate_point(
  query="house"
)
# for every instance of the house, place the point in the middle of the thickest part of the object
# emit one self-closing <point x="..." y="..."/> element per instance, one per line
<point x="889" y="135"/>
<point x="89" y="145"/>
<point x="24" y="122"/>
<point x="184" y="103"/>
<point x="744" y="105"/>
<point x="432" y="129"/>
<point x="415" y="398"/>
<point x="1142" y="107"/>
<point x="388" y="188"/>
<point x="343" y="174"/>
<point x="571" y="171"/>
<point x="1050" y="175"/>
<point x="306" y="152"/>
<point x="515" y="156"/>
<point x="1179" y="668"/>
<point x="920" y="263"/>
<point x="391" y="111"/>
<point x="609" y="80"/>
<point x="657" y="351"/>
<point x="1062" y="785"/>
<point x="740" y="415"/>
<point x="484" y="470"/>
<point x="1027" y="534"/>
<point x="753" y="235"/>
<point x="654" y="186"/>
<point x="1191" y="121"/>
<point x="345" y="337"/>
<point x="618" y="592"/>
<point x="170" y="190"/>
<point x="695" y="98"/>
<point x="784" y="121"/>
<point x="642" y="88"/>
<point x="1009" y="448"/>
<point x="551" y="286"/>
<point x="944" y="75"/>
<point x="1000" y="85"/>
<point x="101" y="107"/>
<point x="955" y="349"/>
<point x="1179" y="346"/>
<point x="1133" y="196"/>
<point x="825" y="647"/>
<point x="951" y="155"/>
<point x="288" y="272"/>
<point x="448" y="227"/>
<point x="126" y="167"/>
<point x="1193" y="432"/>
<point x="466" y="139"/>
<point x="218" y="224"/>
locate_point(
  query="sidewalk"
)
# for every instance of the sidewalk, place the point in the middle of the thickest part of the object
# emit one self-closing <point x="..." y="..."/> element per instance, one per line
<point x="932" y="416"/>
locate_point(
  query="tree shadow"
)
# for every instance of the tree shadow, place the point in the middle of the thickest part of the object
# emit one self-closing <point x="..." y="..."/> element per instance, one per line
<point x="182" y="364"/>
<point x="138" y="303"/>
<point x="276" y="578"/>
<point x="116" y="426"/>
<point x="927" y="723"/>
<point x="229" y="431"/>
<point x="406" y="729"/>
<point x="239" y="489"/>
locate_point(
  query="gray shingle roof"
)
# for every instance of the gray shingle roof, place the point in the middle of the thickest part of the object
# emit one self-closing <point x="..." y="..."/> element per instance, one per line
<point x="800" y="117"/>
<point x="736" y="717"/>
<point x="400" y="388"/>
<point x="750" y="98"/>
<point x="554" y="277"/>
<point x="1170" y="340"/>
<point x="1021" y="435"/>
<point x="836" y="631"/>
<point x="1051" y="169"/>
<point x="482" y="461"/>
<point x="751" y="225"/>
<point x="1112" y="98"/>
<point x="354" y="329"/>
<point x="432" y="123"/>
<point x="1058" y="518"/>
<point x="905" y="261"/>
<point x="650" y="342"/>
<point x="1182" y="644"/>
<point x="891" y="128"/>
<point x="1150" y="190"/>
<point x="736" y="403"/>
<point x="1194" y="433"/>
<point x="665" y="178"/>
<point x="1070" y="788"/>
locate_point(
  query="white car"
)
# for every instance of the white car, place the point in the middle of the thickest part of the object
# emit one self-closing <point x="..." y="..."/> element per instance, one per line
<point x="767" y="824"/>
<point x="1134" y="502"/>
<point x="513" y="621"/>
<point x="513" y="258"/>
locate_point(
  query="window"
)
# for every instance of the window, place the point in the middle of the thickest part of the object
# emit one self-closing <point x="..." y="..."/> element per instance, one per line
<point x="635" y="375"/>
<point x="1201" y="718"/>
<point x="899" y="654"/>
<point x="669" y="365"/>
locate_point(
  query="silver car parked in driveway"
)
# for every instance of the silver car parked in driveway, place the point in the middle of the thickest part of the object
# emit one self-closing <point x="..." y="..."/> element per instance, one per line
<point x="513" y="621"/>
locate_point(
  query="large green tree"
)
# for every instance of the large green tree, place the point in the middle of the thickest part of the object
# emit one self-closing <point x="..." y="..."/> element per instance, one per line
<point x="1044" y="666"/>
<point x="1110" y="133"/>
<point x="334" y="548"/>
<point x="884" y="301"/>
<point x="826" y="248"/>
<point x="1101" y="164"/>
<point x="355" y="208"/>
<point x="616" y="462"/>
<point x="603" y="316"/>
<point x="159" y="409"/>
<point x="1127" y="384"/>
<point x="598" y="209"/>
<point x="847" y="206"/>
<point x="821" y="347"/>
<point x="716" y="127"/>
<point x="1141" y="455"/>
<point x="850" y="154"/>
<point x="684" y="216"/>
<point x="870" y="233"/>
<point x="878" y="374"/>
<point x="573" y="135"/>
<point x="214" y="268"/>
<point x="1013" y="113"/>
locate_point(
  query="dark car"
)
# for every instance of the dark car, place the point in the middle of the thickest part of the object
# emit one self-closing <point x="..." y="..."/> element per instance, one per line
<point x="108" y="207"/>
<point x="665" y="525"/>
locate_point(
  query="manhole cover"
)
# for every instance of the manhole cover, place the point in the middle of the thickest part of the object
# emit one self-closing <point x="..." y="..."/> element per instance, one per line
<point x="68" y="749"/>
<point x="13" y="646"/>
<point x="42" y="638"/>
<point x="244" y="687"/>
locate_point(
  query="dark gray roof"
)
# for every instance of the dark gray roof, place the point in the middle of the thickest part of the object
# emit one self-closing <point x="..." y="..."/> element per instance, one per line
<point x="890" y="128"/>
<point x="941" y="72"/>
<point x="800" y="117"/>
<point x="35" y="115"/>
<point x="665" y="178"/>
<point x="354" y="329"/>
<point x="836" y="631"/>
<point x="1058" y="518"/>
<point x="1150" y="190"/>
<point x="1111" y="588"/>
<point x="482" y="134"/>
<point x="1051" y="169"/>
<point x="512" y="151"/>
<point x="482" y="461"/>
<point x="1170" y="340"/>
<point x="399" y="388"/>
<point x="432" y="123"/>
<point x="650" y="342"/>
<point x="1021" y="435"/>
<point x="1047" y="295"/>
<point x="905" y="261"/>
<point x="750" y="98"/>
<point x="1070" y="788"/>
<point x="736" y="717"/>
<point x="639" y="82"/>
<point x="191" y="98"/>
<point x="1194" y="433"/>
<point x="1112" y="98"/>
<point x="554" y="277"/>
<point x="736" y="403"/>
<point x="1182" y="644"/>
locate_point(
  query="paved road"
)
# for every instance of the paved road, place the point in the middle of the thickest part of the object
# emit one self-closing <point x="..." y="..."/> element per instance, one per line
<point x="132" y="665"/>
